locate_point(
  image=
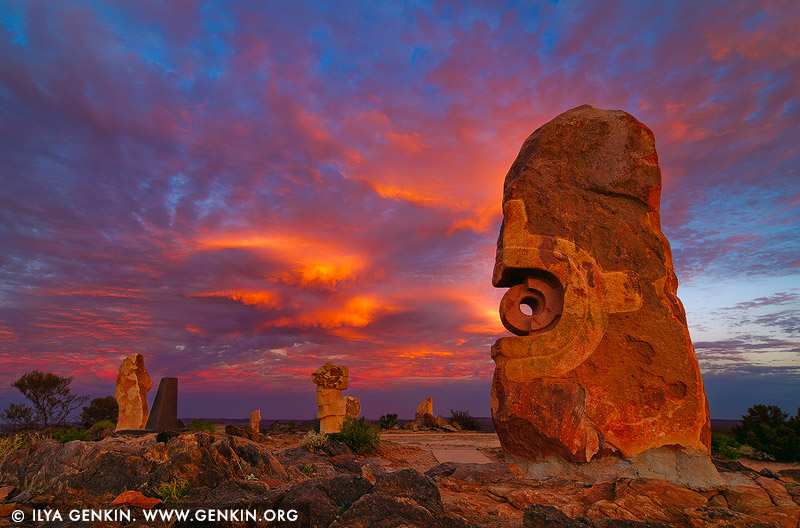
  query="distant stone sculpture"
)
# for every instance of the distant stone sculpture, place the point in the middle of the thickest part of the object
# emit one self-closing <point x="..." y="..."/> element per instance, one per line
<point x="330" y="380"/>
<point x="426" y="407"/>
<point x="255" y="420"/>
<point x="603" y="367"/>
<point x="133" y="383"/>
<point x="164" y="413"/>
<point x="352" y="406"/>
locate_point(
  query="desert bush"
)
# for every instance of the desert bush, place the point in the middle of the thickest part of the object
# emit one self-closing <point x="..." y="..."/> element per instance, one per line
<point x="387" y="421"/>
<point x="203" y="425"/>
<point x="770" y="433"/>
<point x="69" y="434"/>
<point x="360" y="435"/>
<point x="464" y="420"/>
<point x="100" y="430"/>
<point x="20" y="440"/>
<point x="52" y="400"/>
<point x="725" y="445"/>
<point x="314" y="442"/>
<point x="174" y="491"/>
<point x="100" y="409"/>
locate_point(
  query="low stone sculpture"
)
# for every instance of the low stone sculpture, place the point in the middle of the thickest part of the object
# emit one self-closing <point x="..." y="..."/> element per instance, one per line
<point x="133" y="383"/>
<point x="331" y="380"/>
<point x="352" y="406"/>
<point x="164" y="413"/>
<point x="603" y="367"/>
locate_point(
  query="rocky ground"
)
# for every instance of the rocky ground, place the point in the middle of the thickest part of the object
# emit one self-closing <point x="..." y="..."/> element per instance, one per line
<point x="401" y="485"/>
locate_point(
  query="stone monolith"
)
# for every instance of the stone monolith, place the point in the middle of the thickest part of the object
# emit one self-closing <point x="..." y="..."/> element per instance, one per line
<point x="133" y="383"/>
<point x="330" y="380"/>
<point x="602" y="368"/>
<point x="255" y="420"/>
<point x="164" y="413"/>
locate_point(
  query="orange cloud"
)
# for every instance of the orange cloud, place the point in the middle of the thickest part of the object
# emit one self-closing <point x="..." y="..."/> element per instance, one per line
<point x="259" y="299"/>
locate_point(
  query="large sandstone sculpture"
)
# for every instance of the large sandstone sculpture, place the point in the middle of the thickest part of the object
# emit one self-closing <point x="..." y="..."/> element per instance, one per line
<point x="133" y="382"/>
<point x="331" y="380"/>
<point x="603" y="368"/>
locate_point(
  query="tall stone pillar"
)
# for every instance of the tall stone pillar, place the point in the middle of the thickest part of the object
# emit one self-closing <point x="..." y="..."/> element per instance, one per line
<point x="602" y="367"/>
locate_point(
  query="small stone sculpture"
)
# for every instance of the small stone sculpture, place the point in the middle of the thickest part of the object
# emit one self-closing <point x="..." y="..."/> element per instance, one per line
<point x="330" y="380"/>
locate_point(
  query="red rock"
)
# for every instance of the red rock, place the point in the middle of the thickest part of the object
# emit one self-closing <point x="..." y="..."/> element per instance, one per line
<point x="134" y="498"/>
<point x="604" y="366"/>
<point x="656" y="500"/>
<point x="777" y="492"/>
<point x="133" y="382"/>
<point x="5" y="491"/>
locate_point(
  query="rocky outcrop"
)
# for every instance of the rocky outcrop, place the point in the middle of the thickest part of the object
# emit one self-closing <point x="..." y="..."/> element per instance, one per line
<point x="133" y="382"/>
<point x="603" y="366"/>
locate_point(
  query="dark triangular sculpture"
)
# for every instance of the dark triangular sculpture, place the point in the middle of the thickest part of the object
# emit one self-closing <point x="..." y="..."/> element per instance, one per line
<point x="164" y="413"/>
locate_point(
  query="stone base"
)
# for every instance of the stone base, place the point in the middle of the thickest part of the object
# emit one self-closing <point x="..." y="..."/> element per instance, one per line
<point x="682" y="467"/>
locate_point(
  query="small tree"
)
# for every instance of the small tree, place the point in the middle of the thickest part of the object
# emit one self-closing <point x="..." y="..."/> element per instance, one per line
<point x="765" y="428"/>
<point x="50" y="395"/>
<point x="100" y="409"/>
<point x="18" y="417"/>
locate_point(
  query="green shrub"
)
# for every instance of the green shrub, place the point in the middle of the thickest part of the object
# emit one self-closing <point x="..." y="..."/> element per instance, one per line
<point x="360" y="435"/>
<point x="725" y="445"/>
<point x="69" y="434"/>
<point x="203" y="425"/>
<point x="174" y="491"/>
<point x="464" y="420"/>
<point x="770" y="433"/>
<point x="387" y="421"/>
<point x="314" y="442"/>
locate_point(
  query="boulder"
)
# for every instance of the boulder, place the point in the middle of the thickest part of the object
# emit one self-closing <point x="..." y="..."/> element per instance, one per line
<point x="602" y="365"/>
<point x="135" y="498"/>
<point x="133" y="382"/>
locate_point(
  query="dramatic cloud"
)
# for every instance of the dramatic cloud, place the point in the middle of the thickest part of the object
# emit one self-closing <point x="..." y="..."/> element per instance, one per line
<point x="244" y="191"/>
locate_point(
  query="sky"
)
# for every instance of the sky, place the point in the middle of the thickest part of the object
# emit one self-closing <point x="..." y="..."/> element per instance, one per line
<point x="242" y="191"/>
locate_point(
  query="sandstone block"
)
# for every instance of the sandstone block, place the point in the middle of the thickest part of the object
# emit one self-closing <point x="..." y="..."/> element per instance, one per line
<point x="133" y="383"/>
<point x="602" y="365"/>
